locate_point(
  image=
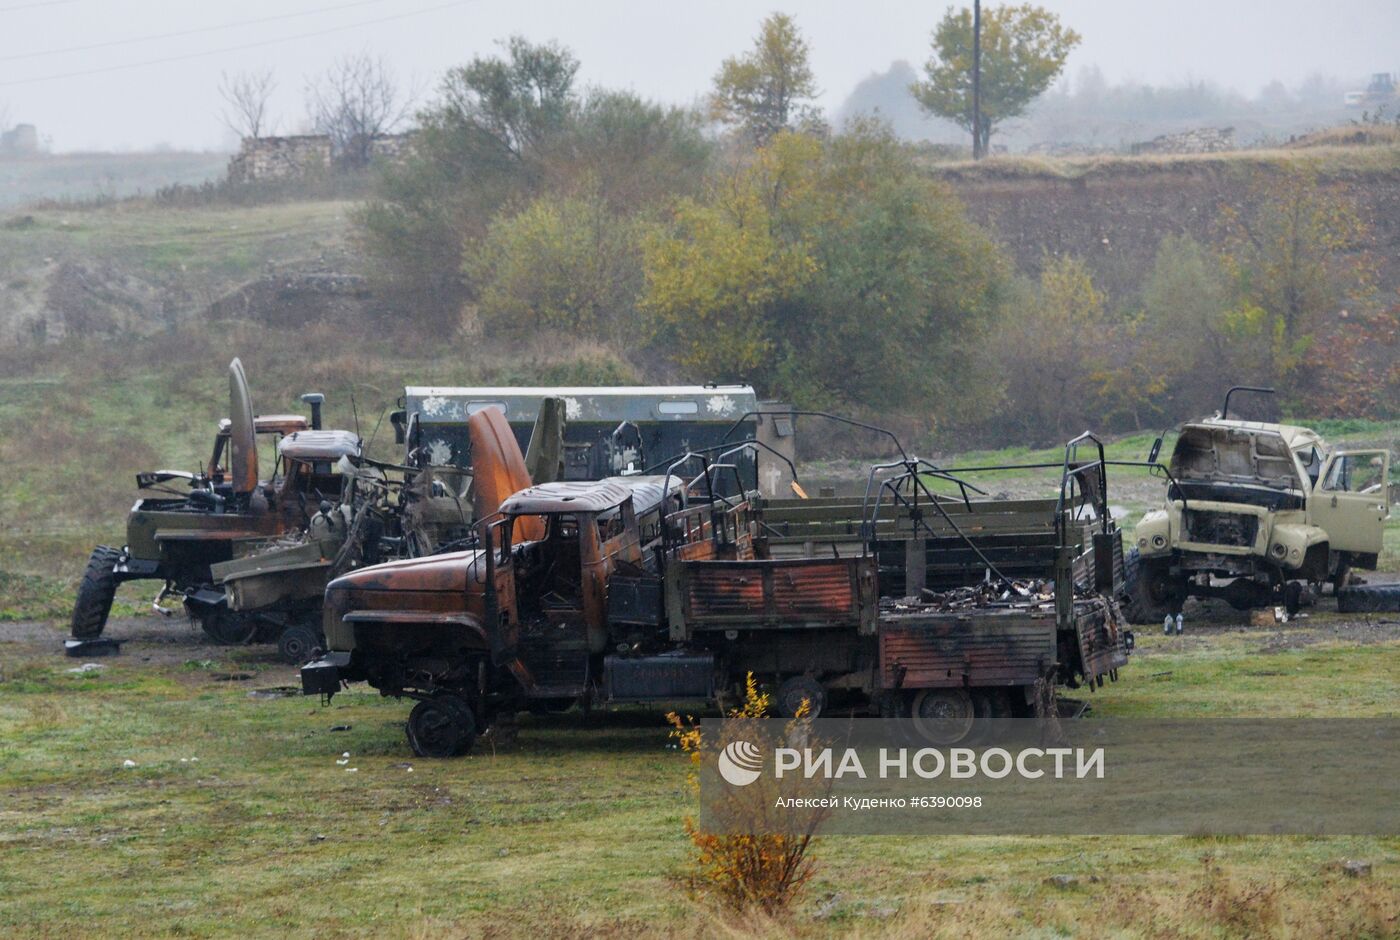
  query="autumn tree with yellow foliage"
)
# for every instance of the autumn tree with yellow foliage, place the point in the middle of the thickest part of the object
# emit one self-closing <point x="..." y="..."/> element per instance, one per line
<point x="834" y="272"/>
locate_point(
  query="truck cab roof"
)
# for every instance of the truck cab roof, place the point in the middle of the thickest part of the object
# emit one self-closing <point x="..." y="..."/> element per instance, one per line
<point x="319" y="445"/>
<point x="270" y="424"/>
<point x="601" y="496"/>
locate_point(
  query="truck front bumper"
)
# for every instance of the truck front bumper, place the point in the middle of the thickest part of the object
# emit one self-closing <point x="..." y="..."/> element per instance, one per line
<point x="322" y="676"/>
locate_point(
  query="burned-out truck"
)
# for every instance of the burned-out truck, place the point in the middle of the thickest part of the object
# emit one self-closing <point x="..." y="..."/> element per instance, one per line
<point x="646" y="589"/>
<point x="183" y="523"/>
<point x="1255" y="511"/>
<point x="608" y="430"/>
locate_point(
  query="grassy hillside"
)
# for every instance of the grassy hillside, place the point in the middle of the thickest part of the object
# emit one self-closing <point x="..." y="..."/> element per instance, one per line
<point x="140" y="266"/>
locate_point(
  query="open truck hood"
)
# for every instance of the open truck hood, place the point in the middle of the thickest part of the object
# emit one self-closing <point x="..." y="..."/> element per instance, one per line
<point x="243" y="446"/>
<point x="448" y="573"/>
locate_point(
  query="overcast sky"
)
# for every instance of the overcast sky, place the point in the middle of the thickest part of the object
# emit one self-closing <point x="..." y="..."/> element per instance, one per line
<point x="659" y="48"/>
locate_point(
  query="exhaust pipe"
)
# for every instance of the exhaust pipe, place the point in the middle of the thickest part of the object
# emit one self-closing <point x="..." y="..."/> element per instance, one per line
<point x="314" y="399"/>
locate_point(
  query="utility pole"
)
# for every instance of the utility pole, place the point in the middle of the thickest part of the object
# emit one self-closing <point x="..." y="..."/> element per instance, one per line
<point x="977" y="80"/>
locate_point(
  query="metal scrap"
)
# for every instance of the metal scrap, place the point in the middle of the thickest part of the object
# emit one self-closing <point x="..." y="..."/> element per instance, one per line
<point x="1024" y="592"/>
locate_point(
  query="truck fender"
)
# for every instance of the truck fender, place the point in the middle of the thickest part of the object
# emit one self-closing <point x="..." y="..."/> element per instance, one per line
<point x="1289" y="542"/>
<point x="1153" y="534"/>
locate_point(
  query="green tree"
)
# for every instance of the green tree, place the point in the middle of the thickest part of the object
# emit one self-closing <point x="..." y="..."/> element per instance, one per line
<point x="762" y="90"/>
<point x="504" y="131"/>
<point x="1188" y="338"/>
<point x="634" y="153"/>
<point x="896" y="319"/>
<point x="480" y="143"/>
<point x="1054" y="352"/>
<point x="1293" y="251"/>
<point x="513" y="103"/>
<point x="1024" y="48"/>
<point x="1172" y="357"/>
<point x="563" y="264"/>
<point x="716" y="274"/>
<point x="834" y="272"/>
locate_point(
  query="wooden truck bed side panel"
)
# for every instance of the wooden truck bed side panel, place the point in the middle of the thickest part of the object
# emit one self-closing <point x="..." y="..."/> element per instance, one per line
<point x="1099" y="632"/>
<point x="970" y="648"/>
<point x="767" y="594"/>
<point x="1019" y="536"/>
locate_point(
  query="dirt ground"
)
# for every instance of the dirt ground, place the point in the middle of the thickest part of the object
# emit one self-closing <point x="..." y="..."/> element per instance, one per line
<point x="162" y="641"/>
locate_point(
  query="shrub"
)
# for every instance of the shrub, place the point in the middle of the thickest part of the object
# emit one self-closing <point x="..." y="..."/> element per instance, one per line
<point x="761" y="860"/>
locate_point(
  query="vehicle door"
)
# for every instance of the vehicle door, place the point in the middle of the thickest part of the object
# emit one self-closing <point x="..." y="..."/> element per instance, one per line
<point x="501" y="620"/>
<point x="1350" y="500"/>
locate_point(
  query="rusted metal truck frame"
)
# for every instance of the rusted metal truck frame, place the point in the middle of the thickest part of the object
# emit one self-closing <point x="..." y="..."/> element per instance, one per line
<point x="901" y="561"/>
<point x="639" y="589"/>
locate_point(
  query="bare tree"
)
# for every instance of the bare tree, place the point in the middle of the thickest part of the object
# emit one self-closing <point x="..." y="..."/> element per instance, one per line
<point x="354" y="101"/>
<point x="246" y="96"/>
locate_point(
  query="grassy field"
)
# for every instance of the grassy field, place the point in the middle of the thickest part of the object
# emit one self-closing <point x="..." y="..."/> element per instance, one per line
<point x="89" y="176"/>
<point x="237" y="817"/>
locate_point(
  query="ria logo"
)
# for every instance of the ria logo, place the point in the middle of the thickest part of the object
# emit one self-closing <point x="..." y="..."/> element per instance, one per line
<point x="740" y="763"/>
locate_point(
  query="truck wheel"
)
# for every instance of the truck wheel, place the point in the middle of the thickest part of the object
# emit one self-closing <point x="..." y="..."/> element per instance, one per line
<point x="442" y="726"/>
<point x="298" y="644"/>
<point x="794" y="691"/>
<point x="227" y="628"/>
<point x="95" y="593"/>
<point x="942" y="717"/>
<point x="1147" y="589"/>
<point x="1339" y="580"/>
<point x="1368" y="598"/>
<point x="1293" y="597"/>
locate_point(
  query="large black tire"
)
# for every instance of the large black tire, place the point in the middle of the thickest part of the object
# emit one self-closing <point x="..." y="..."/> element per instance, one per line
<point x="95" y="593"/>
<point x="442" y="726"/>
<point x="796" y="690"/>
<point x="1369" y="598"/>
<point x="1141" y="604"/>
<point x="226" y="627"/>
<point x="937" y="717"/>
<point x="299" y="644"/>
